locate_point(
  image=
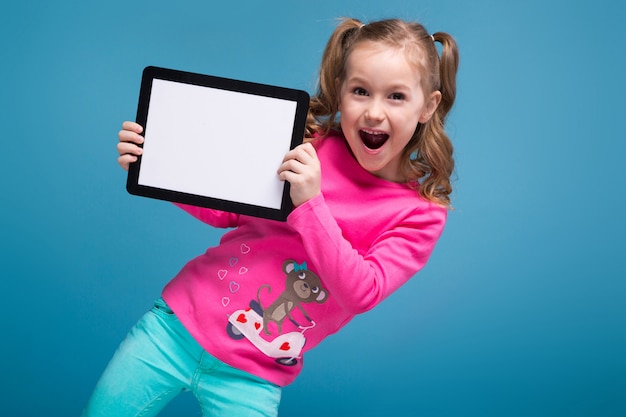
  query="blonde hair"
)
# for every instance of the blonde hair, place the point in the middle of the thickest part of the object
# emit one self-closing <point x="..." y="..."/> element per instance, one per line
<point x="427" y="159"/>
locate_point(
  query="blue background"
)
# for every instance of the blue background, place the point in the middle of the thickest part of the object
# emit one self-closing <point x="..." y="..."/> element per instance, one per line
<point x="521" y="310"/>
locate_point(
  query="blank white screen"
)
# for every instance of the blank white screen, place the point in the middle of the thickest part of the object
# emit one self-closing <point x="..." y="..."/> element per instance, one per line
<point x="216" y="143"/>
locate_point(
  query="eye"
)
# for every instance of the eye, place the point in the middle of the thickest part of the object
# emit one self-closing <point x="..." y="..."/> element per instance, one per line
<point x="315" y="290"/>
<point x="359" y="91"/>
<point x="302" y="275"/>
<point x="397" y="96"/>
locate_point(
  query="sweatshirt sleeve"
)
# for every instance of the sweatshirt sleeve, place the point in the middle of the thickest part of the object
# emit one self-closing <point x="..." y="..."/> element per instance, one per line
<point x="215" y="218"/>
<point x="361" y="281"/>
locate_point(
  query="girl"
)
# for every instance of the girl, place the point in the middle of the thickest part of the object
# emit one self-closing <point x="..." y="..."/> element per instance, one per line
<point x="370" y="191"/>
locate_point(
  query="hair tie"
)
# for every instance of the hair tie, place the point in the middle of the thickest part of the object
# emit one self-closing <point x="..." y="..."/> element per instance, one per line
<point x="432" y="37"/>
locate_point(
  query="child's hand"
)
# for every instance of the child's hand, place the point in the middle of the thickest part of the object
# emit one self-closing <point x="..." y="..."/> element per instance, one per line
<point x="301" y="168"/>
<point x="130" y="137"/>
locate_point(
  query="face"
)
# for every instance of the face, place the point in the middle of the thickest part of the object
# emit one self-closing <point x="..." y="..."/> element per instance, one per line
<point x="381" y="102"/>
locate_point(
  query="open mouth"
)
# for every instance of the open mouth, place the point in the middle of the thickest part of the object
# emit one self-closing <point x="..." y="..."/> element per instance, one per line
<point x="373" y="140"/>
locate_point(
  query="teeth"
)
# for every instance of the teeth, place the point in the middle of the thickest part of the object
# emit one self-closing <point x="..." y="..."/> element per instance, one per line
<point x="372" y="132"/>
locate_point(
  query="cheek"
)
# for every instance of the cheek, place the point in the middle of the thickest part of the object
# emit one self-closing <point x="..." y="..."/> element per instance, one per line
<point x="411" y="119"/>
<point x="344" y="122"/>
<point x="348" y="114"/>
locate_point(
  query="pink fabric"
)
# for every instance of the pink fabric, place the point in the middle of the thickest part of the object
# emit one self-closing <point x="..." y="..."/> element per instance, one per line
<point x="363" y="238"/>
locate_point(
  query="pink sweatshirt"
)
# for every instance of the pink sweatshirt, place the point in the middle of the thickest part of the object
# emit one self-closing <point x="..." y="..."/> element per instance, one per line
<point x="273" y="290"/>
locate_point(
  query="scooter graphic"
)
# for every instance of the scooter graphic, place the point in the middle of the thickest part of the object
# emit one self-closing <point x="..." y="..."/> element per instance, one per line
<point x="248" y="323"/>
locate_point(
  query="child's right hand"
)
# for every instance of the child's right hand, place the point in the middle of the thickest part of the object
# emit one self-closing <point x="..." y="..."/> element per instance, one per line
<point x="128" y="146"/>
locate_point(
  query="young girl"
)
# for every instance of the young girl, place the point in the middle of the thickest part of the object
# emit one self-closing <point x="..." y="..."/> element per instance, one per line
<point x="370" y="192"/>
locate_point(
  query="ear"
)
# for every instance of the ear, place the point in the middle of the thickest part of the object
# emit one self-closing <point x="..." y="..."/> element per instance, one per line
<point x="321" y="297"/>
<point x="431" y="105"/>
<point x="288" y="266"/>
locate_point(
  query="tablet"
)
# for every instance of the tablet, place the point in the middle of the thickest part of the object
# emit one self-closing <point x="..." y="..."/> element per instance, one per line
<point x="216" y="142"/>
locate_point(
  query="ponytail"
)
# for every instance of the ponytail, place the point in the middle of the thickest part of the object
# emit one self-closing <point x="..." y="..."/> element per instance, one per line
<point x="429" y="161"/>
<point x="324" y="105"/>
<point x="448" y="66"/>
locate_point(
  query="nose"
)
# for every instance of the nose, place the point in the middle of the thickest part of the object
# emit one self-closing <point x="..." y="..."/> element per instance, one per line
<point x="375" y="111"/>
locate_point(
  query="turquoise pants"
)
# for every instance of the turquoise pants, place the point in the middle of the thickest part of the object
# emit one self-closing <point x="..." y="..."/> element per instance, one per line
<point x="159" y="359"/>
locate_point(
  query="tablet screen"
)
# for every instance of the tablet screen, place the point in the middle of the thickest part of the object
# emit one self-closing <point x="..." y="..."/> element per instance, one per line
<point x="216" y="142"/>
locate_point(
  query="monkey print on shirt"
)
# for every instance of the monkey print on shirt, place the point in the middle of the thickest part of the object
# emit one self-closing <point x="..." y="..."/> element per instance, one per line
<point x="301" y="286"/>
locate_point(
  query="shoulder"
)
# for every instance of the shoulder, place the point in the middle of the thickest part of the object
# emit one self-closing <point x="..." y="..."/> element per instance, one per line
<point x="332" y="149"/>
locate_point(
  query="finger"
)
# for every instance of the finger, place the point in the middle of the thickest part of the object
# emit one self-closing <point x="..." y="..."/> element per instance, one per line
<point x="293" y="178"/>
<point x="293" y="153"/>
<point x="293" y="166"/>
<point x="130" y="136"/>
<point x="132" y="126"/>
<point x="306" y="152"/>
<point x="301" y="156"/>
<point x="125" y="160"/>
<point x="288" y="176"/>
<point x="124" y="148"/>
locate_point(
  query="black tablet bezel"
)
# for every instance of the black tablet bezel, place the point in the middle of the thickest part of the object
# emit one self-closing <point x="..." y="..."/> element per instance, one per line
<point x="302" y="103"/>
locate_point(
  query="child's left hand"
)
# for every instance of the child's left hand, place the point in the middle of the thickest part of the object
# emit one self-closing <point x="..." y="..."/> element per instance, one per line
<point x="301" y="168"/>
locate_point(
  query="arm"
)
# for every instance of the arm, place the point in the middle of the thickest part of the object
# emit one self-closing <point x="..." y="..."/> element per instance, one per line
<point x="361" y="281"/>
<point x="358" y="281"/>
<point x="215" y="218"/>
